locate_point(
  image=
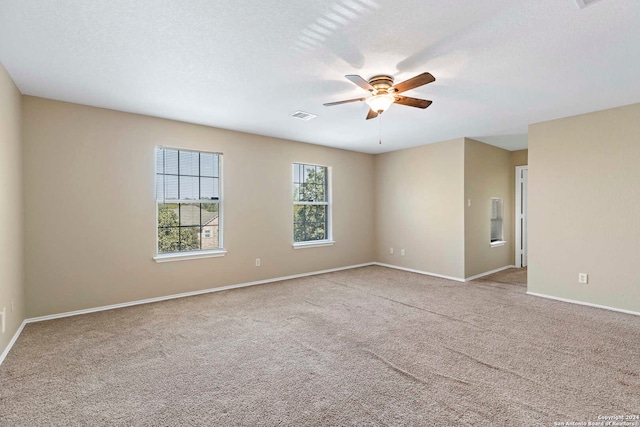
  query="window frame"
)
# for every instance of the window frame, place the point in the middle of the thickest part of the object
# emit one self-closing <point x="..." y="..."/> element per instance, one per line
<point x="328" y="240"/>
<point x="499" y="217"/>
<point x="191" y="254"/>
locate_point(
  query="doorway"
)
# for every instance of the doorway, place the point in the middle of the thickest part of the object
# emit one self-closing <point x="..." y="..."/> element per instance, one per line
<point x="521" y="215"/>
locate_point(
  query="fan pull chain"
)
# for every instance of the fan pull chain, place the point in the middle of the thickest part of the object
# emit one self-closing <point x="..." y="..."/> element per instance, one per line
<point x="380" y="120"/>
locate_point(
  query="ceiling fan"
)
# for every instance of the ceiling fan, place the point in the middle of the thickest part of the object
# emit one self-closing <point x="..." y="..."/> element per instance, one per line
<point x="384" y="92"/>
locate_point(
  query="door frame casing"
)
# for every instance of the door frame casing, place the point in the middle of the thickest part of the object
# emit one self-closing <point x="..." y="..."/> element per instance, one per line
<point x="518" y="215"/>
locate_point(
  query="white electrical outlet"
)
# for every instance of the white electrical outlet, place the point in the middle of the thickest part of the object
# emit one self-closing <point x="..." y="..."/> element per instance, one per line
<point x="391" y="251"/>
<point x="4" y="315"/>
<point x="402" y="252"/>
<point x="257" y="262"/>
<point x="583" y="278"/>
<point x="469" y="202"/>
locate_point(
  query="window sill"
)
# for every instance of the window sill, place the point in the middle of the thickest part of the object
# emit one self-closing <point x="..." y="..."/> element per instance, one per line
<point x="315" y="244"/>
<point x="189" y="255"/>
<point x="498" y="243"/>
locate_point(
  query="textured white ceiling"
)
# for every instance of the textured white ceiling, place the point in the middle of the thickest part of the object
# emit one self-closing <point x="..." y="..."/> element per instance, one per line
<point x="247" y="65"/>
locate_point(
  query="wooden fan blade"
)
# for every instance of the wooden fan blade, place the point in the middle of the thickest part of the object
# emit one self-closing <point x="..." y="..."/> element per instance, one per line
<point x="329" y="104"/>
<point x="419" y="80"/>
<point x="412" y="102"/>
<point x="359" y="81"/>
<point x="372" y="114"/>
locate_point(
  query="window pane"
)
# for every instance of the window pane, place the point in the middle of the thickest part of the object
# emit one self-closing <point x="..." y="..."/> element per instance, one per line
<point x="167" y="215"/>
<point x="209" y="214"/>
<point x="209" y="237"/>
<point x="210" y="207"/>
<point x="309" y="172"/>
<point x="189" y="238"/>
<point x="320" y="190"/>
<point x="309" y="192"/>
<point x="297" y="173"/>
<point x="315" y="231"/>
<point x="171" y="161"/>
<point x="168" y="234"/>
<point x="305" y="194"/>
<point x="189" y="214"/>
<point x="189" y="163"/>
<point x="309" y="213"/>
<point x="496" y="208"/>
<point x="216" y="166"/>
<point x="495" y="231"/>
<point x="168" y="240"/>
<point x="170" y="187"/>
<point x="159" y="187"/>
<point x="313" y="186"/>
<point x="207" y="188"/>
<point x="206" y="164"/>
<point x="296" y="192"/>
<point x="189" y="188"/>
<point x="309" y="222"/>
<point x="320" y="231"/>
<point x="298" y="223"/>
<point x="159" y="160"/>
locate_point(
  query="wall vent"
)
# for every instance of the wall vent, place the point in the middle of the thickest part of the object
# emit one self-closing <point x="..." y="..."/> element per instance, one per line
<point x="584" y="3"/>
<point x="302" y="115"/>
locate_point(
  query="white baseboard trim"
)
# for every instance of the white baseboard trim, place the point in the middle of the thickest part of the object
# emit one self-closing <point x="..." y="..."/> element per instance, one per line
<point x="486" y="273"/>
<point x="588" y="304"/>
<point x="426" y="273"/>
<point x="188" y="294"/>
<point x="457" y="279"/>
<point x="12" y="342"/>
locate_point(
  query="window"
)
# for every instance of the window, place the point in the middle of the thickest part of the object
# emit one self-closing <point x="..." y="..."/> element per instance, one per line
<point x="188" y="201"/>
<point x="311" y="210"/>
<point x="496" y="222"/>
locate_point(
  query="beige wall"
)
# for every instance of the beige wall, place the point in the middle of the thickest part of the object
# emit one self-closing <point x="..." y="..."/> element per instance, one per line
<point x="487" y="173"/>
<point x="584" y="207"/>
<point x="11" y="223"/>
<point x="90" y="210"/>
<point x="419" y="208"/>
<point x="519" y="158"/>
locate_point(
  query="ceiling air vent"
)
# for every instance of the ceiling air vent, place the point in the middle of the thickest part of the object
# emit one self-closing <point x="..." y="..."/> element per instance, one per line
<point x="584" y="3"/>
<point x="303" y="115"/>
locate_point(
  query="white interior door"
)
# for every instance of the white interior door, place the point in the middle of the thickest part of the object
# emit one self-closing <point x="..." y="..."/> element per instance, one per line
<point x="521" y="215"/>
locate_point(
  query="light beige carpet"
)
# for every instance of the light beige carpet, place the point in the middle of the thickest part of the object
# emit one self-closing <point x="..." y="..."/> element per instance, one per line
<point x="365" y="347"/>
<point x="511" y="276"/>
